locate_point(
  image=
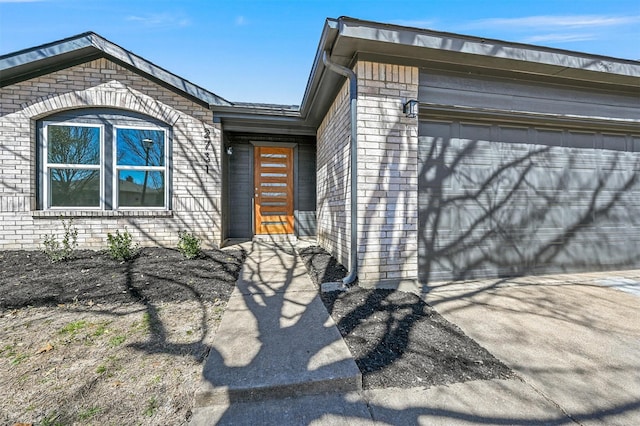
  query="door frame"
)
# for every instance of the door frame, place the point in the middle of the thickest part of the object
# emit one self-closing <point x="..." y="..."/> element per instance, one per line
<point x="294" y="183"/>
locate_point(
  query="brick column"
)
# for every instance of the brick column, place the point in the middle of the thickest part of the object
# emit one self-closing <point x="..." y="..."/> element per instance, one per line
<point x="387" y="175"/>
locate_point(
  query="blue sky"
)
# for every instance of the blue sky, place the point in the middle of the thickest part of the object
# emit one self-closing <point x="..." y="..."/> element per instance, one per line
<point x="262" y="51"/>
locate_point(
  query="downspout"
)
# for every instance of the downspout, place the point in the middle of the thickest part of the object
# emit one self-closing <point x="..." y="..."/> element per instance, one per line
<point x="353" y="97"/>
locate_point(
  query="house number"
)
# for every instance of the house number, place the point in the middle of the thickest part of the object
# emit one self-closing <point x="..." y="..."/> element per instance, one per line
<point x="207" y="145"/>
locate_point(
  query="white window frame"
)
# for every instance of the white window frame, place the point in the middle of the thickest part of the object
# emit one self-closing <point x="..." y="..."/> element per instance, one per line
<point x="116" y="168"/>
<point x="107" y="168"/>
<point x="46" y="176"/>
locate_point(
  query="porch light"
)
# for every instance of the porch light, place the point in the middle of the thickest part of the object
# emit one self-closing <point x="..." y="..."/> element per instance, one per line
<point x="229" y="150"/>
<point x="410" y="108"/>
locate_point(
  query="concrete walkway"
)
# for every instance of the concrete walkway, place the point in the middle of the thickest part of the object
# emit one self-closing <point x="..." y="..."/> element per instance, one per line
<point x="275" y="340"/>
<point x="573" y="340"/>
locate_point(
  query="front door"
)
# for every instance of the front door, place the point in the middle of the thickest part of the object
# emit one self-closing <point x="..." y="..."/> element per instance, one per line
<point x="273" y="182"/>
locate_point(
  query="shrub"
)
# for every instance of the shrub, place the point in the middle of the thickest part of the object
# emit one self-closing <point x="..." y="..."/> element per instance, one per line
<point x="58" y="251"/>
<point x="121" y="245"/>
<point x="189" y="245"/>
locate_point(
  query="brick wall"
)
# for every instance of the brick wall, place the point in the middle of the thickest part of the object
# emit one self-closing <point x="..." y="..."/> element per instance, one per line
<point x="333" y="178"/>
<point x="387" y="175"/>
<point x="195" y="193"/>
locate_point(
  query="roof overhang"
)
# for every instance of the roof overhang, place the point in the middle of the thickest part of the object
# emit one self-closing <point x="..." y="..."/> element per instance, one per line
<point x="348" y="40"/>
<point x="41" y="60"/>
<point x="263" y="118"/>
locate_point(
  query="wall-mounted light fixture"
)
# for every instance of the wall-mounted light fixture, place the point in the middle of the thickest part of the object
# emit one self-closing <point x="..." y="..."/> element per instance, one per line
<point x="410" y="108"/>
<point x="229" y="150"/>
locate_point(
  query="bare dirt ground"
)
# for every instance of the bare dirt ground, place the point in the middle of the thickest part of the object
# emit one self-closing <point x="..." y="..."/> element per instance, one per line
<point x="98" y="341"/>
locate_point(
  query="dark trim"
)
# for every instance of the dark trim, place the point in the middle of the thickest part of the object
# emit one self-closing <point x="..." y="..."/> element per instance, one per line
<point x="40" y="60"/>
<point x="430" y="111"/>
<point x="274" y="144"/>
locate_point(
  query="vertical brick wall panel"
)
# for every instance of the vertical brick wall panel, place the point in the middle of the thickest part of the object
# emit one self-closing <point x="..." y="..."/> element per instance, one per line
<point x="387" y="174"/>
<point x="333" y="182"/>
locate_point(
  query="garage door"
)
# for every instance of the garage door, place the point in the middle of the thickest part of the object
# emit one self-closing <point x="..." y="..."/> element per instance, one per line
<point x="502" y="199"/>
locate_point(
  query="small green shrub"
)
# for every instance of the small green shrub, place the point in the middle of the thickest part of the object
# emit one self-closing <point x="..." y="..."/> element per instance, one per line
<point x="189" y="245"/>
<point x="121" y="245"/>
<point x="58" y="251"/>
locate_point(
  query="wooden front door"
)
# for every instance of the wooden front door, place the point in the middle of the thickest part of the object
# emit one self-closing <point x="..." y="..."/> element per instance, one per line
<point x="273" y="181"/>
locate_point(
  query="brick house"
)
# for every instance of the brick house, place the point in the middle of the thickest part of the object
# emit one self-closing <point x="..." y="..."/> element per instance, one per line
<point x="474" y="157"/>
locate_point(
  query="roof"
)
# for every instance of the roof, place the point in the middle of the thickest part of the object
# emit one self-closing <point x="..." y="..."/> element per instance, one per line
<point x="346" y="40"/>
<point x="47" y="58"/>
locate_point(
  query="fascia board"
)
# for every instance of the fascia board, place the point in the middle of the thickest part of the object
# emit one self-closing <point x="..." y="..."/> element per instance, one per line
<point x="439" y="46"/>
<point x="55" y="55"/>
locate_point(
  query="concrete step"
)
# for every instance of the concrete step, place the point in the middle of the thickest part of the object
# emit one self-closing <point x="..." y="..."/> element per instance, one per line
<point x="276" y="338"/>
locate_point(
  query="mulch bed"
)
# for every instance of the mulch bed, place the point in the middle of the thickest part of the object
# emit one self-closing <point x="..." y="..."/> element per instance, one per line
<point x="28" y="278"/>
<point x="397" y="339"/>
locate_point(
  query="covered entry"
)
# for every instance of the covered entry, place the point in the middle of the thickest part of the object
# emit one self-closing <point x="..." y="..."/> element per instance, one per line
<point x="270" y="183"/>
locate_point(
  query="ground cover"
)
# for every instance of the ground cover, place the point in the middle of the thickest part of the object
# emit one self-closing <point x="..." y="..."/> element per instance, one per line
<point x="98" y="341"/>
<point x="397" y="339"/>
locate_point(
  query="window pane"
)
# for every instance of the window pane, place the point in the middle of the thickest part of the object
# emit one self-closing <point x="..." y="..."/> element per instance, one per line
<point x="138" y="147"/>
<point x="74" y="187"/>
<point x="137" y="188"/>
<point x="73" y="144"/>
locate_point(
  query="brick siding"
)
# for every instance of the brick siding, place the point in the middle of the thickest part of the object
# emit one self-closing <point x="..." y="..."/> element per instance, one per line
<point x="333" y="179"/>
<point x="195" y="191"/>
<point x="387" y="175"/>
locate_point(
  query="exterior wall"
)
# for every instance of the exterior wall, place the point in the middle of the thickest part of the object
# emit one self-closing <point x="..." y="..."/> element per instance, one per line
<point x="196" y="170"/>
<point x="503" y="196"/>
<point x="333" y="178"/>
<point x="240" y="177"/>
<point x="387" y="175"/>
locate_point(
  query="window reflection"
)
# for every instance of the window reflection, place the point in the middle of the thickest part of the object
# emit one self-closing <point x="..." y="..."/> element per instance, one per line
<point x="74" y="187"/>
<point x="74" y="145"/>
<point x="138" y="188"/>
<point x="140" y="147"/>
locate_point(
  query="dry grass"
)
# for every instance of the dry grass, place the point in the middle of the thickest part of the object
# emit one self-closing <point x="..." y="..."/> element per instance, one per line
<point x="103" y="364"/>
<point x="94" y="341"/>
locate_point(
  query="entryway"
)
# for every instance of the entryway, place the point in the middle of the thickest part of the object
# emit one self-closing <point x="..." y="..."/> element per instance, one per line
<point x="270" y="186"/>
<point x="273" y="187"/>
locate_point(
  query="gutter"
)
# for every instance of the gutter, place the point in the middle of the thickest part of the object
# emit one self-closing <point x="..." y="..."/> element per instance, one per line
<point x="353" y="97"/>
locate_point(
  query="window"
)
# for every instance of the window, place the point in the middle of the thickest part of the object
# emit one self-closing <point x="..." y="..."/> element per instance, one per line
<point x="73" y="168"/>
<point x="140" y="167"/>
<point x="103" y="161"/>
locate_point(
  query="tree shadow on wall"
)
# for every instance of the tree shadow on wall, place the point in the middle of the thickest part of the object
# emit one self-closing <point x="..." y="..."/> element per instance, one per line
<point x="536" y="209"/>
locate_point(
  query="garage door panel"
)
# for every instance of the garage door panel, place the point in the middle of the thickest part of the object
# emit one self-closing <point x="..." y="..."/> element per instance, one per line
<point x="517" y="199"/>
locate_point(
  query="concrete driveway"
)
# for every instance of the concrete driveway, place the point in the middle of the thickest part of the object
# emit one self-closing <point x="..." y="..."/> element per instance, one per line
<point x="574" y="338"/>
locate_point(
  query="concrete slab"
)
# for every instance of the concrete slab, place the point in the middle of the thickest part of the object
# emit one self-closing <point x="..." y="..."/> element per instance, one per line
<point x="578" y="344"/>
<point x="620" y="283"/>
<point x="327" y="410"/>
<point x="504" y="402"/>
<point x="276" y="338"/>
<point x="479" y="402"/>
